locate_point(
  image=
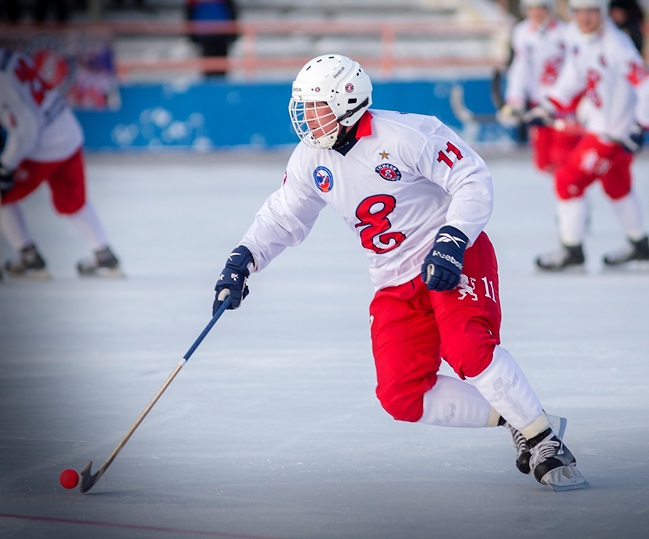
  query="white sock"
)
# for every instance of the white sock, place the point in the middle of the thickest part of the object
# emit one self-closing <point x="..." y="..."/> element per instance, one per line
<point x="454" y="403"/>
<point x="571" y="215"/>
<point x="629" y="213"/>
<point x="506" y="388"/>
<point x="88" y="225"/>
<point x="14" y="226"/>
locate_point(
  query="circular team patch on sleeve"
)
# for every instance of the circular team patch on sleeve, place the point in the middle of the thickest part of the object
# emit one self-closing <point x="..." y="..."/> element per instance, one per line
<point x="324" y="179"/>
<point x="388" y="172"/>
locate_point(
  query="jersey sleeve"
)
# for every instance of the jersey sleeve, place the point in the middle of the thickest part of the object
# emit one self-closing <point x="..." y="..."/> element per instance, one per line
<point x="284" y="220"/>
<point x="450" y="163"/>
<point x="19" y="121"/>
<point x="519" y="72"/>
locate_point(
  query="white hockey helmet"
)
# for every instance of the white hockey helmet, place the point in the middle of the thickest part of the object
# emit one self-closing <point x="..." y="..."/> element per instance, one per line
<point x="334" y="80"/>
<point x="602" y="5"/>
<point x="538" y="3"/>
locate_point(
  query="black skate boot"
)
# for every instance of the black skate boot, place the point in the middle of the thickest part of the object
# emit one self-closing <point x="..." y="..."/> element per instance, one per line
<point x="29" y="264"/>
<point x="522" y="449"/>
<point x="633" y="255"/>
<point x="553" y="464"/>
<point x="103" y="264"/>
<point x="566" y="258"/>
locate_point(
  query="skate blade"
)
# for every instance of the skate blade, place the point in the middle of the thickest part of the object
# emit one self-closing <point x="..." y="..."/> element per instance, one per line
<point x="635" y="266"/>
<point x="565" y="478"/>
<point x="568" y="270"/>
<point x="31" y="275"/>
<point x="104" y="273"/>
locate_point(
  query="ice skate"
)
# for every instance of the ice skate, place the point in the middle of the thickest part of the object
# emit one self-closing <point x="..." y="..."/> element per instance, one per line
<point x="29" y="264"/>
<point x="522" y="450"/>
<point x="103" y="264"/>
<point x="634" y="255"/>
<point x="553" y="464"/>
<point x="566" y="258"/>
<point x="558" y="425"/>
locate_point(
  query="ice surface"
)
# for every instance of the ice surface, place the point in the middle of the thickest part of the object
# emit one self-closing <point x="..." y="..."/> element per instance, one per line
<point x="272" y="430"/>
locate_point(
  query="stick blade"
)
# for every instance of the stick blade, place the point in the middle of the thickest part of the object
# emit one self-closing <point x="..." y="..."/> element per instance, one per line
<point x="87" y="478"/>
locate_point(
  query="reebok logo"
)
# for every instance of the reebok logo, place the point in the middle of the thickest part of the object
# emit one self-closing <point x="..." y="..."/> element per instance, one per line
<point x="449" y="258"/>
<point x="445" y="237"/>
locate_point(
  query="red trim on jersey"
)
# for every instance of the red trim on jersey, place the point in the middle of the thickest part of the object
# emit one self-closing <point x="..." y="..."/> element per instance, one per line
<point x="364" y="125"/>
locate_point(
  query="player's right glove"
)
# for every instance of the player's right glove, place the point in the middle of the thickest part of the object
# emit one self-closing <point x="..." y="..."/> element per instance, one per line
<point x="443" y="264"/>
<point x="6" y="180"/>
<point x="232" y="281"/>
<point x="538" y="116"/>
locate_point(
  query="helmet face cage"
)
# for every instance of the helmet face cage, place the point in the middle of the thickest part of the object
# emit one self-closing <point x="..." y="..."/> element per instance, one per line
<point x="334" y="82"/>
<point x="314" y="122"/>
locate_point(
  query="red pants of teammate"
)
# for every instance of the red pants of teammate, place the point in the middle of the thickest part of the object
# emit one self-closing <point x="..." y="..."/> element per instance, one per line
<point x="594" y="159"/>
<point x="551" y="147"/>
<point x="66" y="180"/>
<point x="413" y="328"/>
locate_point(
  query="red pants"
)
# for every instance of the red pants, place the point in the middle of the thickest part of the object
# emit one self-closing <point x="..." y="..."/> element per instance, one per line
<point x="413" y="328"/>
<point x="594" y="159"/>
<point x="551" y="147"/>
<point x="66" y="180"/>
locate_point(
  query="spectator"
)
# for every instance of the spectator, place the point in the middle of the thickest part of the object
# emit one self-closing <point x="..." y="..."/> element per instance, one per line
<point x="213" y="45"/>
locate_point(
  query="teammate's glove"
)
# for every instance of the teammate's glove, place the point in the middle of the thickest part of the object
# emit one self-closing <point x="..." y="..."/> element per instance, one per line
<point x="232" y="281"/>
<point x="443" y="265"/>
<point x="6" y="180"/>
<point x="538" y="116"/>
<point x="633" y="143"/>
<point x="509" y="116"/>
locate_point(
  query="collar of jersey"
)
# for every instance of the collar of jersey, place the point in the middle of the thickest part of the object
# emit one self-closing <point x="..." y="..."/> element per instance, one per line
<point x="362" y="129"/>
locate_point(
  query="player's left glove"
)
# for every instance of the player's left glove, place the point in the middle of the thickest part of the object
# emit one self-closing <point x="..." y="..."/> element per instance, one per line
<point x="443" y="265"/>
<point x="538" y="116"/>
<point x="509" y="116"/>
<point x="633" y="143"/>
<point x="6" y="180"/>
<point x="232" y="281"/>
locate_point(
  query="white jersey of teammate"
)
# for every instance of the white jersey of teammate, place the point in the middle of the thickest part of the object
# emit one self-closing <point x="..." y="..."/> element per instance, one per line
<point x="603" y="70"/>
<point x="40" y="124"/>
<point x="539" y="52"/>
<point x="406" y="176"/>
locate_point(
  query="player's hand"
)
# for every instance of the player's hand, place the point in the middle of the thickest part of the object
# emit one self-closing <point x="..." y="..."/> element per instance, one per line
<point x="509" y="116"/>
<point x="443" y="265"/>
<point x="538" y="116"/>
<point x="232" y="281"/>
<point x="633" y="143"/>
<point x="6" y="180"/>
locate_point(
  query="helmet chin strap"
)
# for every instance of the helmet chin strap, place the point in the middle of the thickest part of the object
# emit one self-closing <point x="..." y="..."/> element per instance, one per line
<point x="353" y="111"/>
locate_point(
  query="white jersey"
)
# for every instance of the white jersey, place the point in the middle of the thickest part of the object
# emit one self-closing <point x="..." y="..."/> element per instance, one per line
<point x="40" y="126"/>
<point x="601" y="73"/>
<point x="538" y="55"/>
<point x="406" y="176"/>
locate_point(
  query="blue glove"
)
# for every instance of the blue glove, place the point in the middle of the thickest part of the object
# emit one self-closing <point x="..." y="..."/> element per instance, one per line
<point x="633" y="143"/>
<point x="6" y="180"/>
<point x="232" y="281"/>
<point x="443" y="265"/>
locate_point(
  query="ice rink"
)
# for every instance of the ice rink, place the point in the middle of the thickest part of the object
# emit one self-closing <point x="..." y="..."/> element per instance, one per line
<point x="272" y="429"/>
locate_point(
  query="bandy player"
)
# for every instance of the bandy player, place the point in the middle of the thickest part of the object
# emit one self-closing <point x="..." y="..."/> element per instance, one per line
<point x="417" y="198"/>
<point x="44" y="144"/>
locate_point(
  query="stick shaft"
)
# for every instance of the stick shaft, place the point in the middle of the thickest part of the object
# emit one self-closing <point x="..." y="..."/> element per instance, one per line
<point x="162" y="389"/>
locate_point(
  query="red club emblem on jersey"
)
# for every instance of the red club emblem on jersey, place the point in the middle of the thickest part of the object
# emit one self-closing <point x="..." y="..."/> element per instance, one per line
<point x="388" y="172"/>
<point x="324" y="179"/>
